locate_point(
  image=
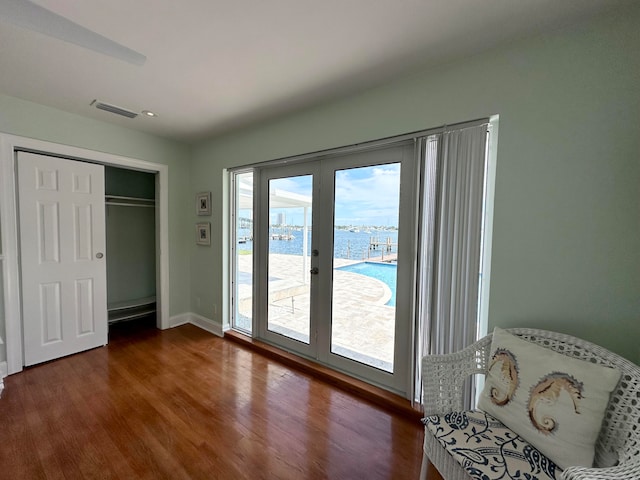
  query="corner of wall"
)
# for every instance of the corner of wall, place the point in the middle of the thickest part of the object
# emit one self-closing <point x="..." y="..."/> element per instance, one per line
<point x="199" y="321"/>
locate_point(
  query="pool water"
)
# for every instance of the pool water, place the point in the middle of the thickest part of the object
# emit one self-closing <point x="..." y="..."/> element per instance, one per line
<point x="385" y="272"/>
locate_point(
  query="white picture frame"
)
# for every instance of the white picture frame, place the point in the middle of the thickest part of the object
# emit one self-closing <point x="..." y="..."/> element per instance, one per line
<point x="203" y="203"/>
<point x="203" y="233"/>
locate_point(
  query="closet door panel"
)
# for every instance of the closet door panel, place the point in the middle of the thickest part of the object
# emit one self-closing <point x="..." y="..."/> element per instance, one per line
<point x="84" y="306"/>
<point x="62" y="244"/>
<point x="82" y="222"/>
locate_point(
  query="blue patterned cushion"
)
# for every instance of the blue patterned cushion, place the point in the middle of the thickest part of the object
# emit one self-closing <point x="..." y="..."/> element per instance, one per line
<point x="488" y="450"/>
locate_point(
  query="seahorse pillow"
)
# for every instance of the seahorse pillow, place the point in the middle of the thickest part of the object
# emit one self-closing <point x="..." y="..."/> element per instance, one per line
<point x="555" y="402"/>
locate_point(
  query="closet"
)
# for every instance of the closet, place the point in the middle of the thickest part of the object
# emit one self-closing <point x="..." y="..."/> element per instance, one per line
<point x="131" y="244"/>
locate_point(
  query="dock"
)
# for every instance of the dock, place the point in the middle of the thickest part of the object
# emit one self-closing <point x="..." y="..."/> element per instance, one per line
<point x="387" y="249"/>
<point x="384" y="258"/>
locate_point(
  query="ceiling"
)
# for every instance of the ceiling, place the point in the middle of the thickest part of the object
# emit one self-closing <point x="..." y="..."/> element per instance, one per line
<point x="215" y="65"/>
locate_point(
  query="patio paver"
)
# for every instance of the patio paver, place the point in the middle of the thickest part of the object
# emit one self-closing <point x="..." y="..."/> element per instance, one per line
<point x="363" y="326"/>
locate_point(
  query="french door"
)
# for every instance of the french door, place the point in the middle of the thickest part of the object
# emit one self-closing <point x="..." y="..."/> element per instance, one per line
<point x="334" y="261"/>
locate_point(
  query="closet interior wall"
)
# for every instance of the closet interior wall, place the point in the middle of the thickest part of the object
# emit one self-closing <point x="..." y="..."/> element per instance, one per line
<point x="131" y="243"/>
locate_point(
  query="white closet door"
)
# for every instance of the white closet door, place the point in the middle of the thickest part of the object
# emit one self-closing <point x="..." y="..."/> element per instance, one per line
<point x="62" y="245"/>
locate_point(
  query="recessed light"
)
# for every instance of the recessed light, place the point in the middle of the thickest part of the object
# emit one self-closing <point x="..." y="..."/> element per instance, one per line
<point x="149" y="113"/>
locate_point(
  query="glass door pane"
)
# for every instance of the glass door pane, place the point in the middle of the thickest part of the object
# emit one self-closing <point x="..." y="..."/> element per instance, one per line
<point x="365" y="253"/>
<point x="243" y="252"/>
<point x="289" y="257"/>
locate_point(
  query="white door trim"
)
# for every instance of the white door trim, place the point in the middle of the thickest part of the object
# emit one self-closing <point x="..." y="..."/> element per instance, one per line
<point x="9" y="144"/>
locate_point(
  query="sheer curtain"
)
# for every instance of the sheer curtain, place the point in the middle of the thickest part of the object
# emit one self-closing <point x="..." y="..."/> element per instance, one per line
<point x="451" y="224"/>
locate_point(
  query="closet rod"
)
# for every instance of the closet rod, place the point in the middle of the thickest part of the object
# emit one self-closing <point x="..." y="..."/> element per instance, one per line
<point x="122" y="204"/>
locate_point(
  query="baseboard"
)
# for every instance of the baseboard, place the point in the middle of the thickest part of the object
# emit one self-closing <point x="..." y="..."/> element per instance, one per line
<point x="197" y="320"/>
<point x="206" y="324"/>
<point x="178" y="320"/>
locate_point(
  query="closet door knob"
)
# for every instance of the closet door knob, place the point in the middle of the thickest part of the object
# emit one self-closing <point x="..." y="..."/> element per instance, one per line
<point x="99" y="255"/>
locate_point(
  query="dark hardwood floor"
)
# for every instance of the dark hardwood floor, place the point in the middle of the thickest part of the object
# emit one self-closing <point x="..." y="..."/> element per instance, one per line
<point x="180" y="404"/>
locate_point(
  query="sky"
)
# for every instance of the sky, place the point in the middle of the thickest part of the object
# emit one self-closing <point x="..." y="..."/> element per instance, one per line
<point x="365" y="196"/>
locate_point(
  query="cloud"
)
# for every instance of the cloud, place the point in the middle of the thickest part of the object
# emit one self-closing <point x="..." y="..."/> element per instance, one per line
<point x="301" y="185"/>
<point x="368" y="196"/>
<point x="363" y="195"/>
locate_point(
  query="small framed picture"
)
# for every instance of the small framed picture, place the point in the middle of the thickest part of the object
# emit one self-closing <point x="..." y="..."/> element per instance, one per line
<point x="203" y="233"/>
<point x="203" y="203"/>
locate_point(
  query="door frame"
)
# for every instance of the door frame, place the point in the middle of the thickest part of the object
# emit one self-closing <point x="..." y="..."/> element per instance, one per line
<point x="404" y="152"/>
<point x="261" y="234"/>
<point x="9" y="145"/>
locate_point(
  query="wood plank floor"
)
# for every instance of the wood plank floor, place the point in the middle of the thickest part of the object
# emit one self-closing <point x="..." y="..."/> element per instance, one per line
<point x="184" y="404"/>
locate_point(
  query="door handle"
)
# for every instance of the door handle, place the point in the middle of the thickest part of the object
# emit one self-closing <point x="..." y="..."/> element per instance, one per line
<point x="99" y="255"/>
<point x="314" y="271"/>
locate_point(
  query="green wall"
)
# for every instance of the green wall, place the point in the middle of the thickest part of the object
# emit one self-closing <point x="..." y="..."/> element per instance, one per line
<point x="566" y="243"/>
<point x="19" y="117"/>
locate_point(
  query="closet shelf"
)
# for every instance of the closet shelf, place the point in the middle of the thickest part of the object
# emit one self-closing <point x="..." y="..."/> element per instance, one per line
<point x="131" y="309"/>
<point x="137" y="302"/>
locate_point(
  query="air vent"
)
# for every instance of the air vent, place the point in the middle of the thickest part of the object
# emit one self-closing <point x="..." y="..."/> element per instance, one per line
<point x="107" y="107"/>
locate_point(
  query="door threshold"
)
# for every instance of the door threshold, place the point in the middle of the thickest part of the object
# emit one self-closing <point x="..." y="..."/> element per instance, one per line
<point x="371" y="393"/>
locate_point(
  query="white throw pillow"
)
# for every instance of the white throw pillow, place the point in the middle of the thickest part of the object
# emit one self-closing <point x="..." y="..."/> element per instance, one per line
<point x="555" y="402"/>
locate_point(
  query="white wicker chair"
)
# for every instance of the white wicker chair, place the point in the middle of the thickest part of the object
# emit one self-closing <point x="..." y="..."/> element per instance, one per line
<point x="619" y="440"/>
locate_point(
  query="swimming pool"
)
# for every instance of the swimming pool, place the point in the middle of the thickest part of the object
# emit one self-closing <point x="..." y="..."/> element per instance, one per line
<point x="385" y="272"/>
